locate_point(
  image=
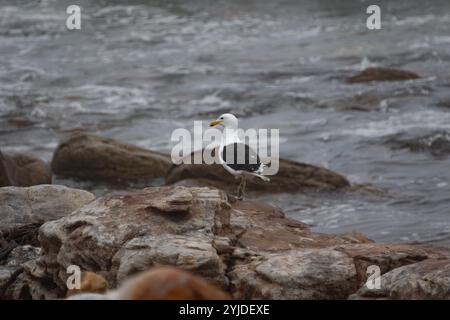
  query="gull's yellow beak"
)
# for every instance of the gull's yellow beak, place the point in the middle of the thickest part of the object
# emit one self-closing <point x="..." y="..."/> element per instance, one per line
<point x="214" y="123"/>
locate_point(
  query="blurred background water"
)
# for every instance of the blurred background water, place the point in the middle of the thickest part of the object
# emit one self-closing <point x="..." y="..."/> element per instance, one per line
<point x="139" y="69"/>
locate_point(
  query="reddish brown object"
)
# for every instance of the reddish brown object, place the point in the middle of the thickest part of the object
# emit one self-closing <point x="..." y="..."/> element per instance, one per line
<point x="168" y="283"/>
<point x="90" y="283"/>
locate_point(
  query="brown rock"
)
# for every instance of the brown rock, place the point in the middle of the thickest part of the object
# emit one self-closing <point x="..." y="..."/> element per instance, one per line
<point x="262" y="227"/>
<point x="23" y="170"/>
<point x="90" y="283"/>
<point x="88" y="156"/>
<point x="195" y="229"/>
<point x="292" y="176"/>
<point x="120" y="235"/>
<point x="249" y="249"/>
<point x="382" y="74"/>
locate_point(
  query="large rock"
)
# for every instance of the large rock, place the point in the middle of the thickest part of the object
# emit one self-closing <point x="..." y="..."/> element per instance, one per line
<point x="249" y="249"/>
<point x="293" y="274"/>
<point x="291" y="177"/>
<point x="24" y="209"/>
<point x="88" y="156"/>
<point x="120" y="235"/>
<point x="195" y="229"/>
<point x="429" y="279"/>
<point x="23" y="170"/>
<point x="382" y="74"/>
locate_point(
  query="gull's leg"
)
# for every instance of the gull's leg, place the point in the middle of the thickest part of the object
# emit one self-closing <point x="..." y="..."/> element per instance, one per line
<point x="241" y="188"/>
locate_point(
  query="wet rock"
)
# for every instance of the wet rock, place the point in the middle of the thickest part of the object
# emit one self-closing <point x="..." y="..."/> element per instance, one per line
<point x="361" y="101"/>
<point x="436" y="143"/>
<point x="23" y="170"/>
<point x="292" y="176"/>
<point x="24" y="209"/>
<point x="382" y="74"/>
<point x="429" y="279"/>
<point x="88" y="156"/>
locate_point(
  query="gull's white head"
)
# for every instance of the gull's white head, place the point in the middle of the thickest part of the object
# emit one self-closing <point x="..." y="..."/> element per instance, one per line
<point x="227" y="120"/>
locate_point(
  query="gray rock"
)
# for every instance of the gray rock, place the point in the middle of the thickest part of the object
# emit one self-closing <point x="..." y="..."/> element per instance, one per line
<point x="429" y="279"/>
<point x="21" y="207"/>
<point x="13" y="267"/>
<point x="249" y="249"/>
<point x="295" y="274"/>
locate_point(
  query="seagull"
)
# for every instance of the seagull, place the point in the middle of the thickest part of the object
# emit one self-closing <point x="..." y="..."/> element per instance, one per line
<point x="235" y="156"/>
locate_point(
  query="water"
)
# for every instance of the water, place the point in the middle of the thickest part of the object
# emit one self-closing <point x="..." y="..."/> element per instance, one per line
<point x="136" y="71"/>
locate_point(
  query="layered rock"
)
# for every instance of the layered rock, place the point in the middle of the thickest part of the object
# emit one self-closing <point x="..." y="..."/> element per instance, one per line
<point x="26" y="208"/>
<point x="22" y="211"/>
<point x="88" y="156"/>
<point x="23" y="170"/>
<point x="248" y="249"/>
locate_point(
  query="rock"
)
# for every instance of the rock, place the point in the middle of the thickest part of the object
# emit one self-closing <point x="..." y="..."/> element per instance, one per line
<point x="292" y="176"/>
<point x="120" y="235"/>
<point x="27" y="287"/>
<point x="429" y="279"/>
<point x="23" y="170"/>
<point x="13" y="266"/>
<point x="386" y="256"/>
<point x="262" y="227"/>
<point x="436" y="143"/>
<point x="305" y="274"/>
<point x="88" y="156"/>
<point x="195" y="229"/>
<point x="382" y="74"/>
<point x="361" y="101"/>
<point x="24" y="209"/>
<point x="248" y="249"/>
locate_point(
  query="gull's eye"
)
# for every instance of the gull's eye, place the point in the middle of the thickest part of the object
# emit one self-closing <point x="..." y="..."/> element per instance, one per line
<point x="221" y="118"/>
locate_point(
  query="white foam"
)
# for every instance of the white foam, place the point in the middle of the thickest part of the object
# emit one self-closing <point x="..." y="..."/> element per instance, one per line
<point x="433" y="120"/>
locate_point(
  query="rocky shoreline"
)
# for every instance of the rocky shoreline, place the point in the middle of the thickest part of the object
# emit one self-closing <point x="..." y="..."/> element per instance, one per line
<point x="249" y="250"/>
